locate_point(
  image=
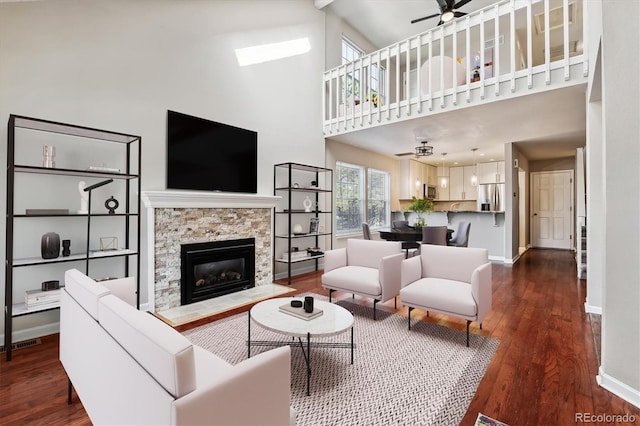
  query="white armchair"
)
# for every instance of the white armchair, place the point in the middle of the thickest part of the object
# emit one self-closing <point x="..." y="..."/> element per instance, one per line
<point x="369" y="268"/>
<point x="451" y="280"/>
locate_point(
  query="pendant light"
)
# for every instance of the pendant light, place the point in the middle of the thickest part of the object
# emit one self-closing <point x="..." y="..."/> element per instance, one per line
<point x="474" y="176"/>
<point x="442" y="174"/>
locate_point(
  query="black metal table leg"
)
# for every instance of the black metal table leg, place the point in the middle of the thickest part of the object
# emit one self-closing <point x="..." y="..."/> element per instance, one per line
<point x="249" y="334"/>
<point x="351" y="345"/>
<point x="308" y="364"/>
<point x="69" y="390"/>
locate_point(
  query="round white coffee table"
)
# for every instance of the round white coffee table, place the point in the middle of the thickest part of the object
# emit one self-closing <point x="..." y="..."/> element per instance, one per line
<point x="334" y="320"/>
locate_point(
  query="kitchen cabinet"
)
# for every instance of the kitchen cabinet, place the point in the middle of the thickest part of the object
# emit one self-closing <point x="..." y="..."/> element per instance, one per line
<point x="492" y="172"/>
<point x="460" y="186"/>
<point x="413" y="176"/>
<point x="432" y="175"/>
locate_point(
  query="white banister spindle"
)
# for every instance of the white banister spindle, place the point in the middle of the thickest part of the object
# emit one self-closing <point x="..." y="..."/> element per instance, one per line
<point x="585" y="39"/>
<point x="529" y="46"/>
<point x="565" y="15"/>
<point x="547" y="45"/>
<point x="362" y="88"/>
<point x="468" y="65"/>
<point x="430" y="66"/>
<point x="408" y="77"/>
<point x="481" y="53"/>
<point x="512" y="41"/>
<point x="398" y="56"/>
<point x="378" y="61"/>
<point x="330" y="112"/>
<point x="496" y="51"/>
<point x="455" y="63"/>
<point x="441" y="67"/>
<point x="418" y="76"/>
<point x="369" y="90"/>
<point x="388" y="84"/>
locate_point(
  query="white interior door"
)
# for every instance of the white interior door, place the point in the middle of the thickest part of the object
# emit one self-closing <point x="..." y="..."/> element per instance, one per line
<point x="551" y="209"/>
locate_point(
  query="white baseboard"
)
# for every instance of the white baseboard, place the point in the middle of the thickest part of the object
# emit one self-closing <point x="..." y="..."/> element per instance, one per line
<point x="34" y="332"/>
<point x="616" y="387"/>
<point x="297" y="271"/>
<point x="590" y="309"/>
<point x="511" y="261"/>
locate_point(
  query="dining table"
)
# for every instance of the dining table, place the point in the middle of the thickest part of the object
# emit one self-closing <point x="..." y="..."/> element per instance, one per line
<point x="409" y="236"/>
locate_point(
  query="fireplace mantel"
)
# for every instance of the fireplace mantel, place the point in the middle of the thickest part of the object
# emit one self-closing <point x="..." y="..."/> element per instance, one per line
<point x="157" y="201"/>
<point x="192" y="199"/>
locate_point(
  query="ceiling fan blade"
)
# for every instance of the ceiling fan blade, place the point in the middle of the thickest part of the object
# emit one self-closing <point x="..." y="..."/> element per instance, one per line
<point x="460" y="4"/>
<point x="440" y="22"/>
<point x="443" y="4"/>
<point x="458" y="14"/>
<point x="425" y="18"/>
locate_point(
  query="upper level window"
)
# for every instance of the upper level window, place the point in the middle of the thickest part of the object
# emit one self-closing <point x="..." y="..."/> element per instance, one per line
<point x="371" y="78"/>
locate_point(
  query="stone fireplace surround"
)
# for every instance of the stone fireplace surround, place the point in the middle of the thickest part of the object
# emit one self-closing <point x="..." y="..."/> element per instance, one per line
<point x="177" y="217"/>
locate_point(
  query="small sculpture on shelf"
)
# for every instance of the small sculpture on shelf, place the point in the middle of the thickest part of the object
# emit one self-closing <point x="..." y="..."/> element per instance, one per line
<point x="49" y="152"/>
<point x="84" y="198"/>
<point x="111" y="204"/>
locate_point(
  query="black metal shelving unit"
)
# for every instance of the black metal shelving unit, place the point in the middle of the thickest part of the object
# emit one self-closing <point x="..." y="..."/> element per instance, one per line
<point x="284" y="184"/>
<point x="83" y="140"/>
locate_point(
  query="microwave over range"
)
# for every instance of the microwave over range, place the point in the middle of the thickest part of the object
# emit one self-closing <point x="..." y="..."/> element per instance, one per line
<point x="429" y="192"/>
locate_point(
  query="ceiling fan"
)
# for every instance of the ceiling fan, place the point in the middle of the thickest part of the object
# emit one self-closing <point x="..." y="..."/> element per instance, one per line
<point x="447" y="11"/>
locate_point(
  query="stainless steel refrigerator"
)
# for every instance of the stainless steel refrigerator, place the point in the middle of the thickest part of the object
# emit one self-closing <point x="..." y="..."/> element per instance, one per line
<point x="491" y="197"/>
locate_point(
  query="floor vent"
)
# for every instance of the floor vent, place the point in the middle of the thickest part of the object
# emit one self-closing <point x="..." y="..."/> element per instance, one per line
<point x="21" y="345"/>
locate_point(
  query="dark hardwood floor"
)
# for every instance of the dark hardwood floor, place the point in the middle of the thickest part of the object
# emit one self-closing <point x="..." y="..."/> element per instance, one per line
<point x="542" y="374"/>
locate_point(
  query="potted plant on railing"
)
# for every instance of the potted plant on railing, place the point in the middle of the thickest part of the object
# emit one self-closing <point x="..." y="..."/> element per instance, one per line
<point x="420" y="206"/>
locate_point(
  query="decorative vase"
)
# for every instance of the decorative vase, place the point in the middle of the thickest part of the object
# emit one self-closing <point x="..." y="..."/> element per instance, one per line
<point x="50" y="245"/>
<point x="419" y="223"/>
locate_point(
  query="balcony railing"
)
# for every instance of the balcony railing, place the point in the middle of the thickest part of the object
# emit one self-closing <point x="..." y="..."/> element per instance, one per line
<point x="512" y="48"/>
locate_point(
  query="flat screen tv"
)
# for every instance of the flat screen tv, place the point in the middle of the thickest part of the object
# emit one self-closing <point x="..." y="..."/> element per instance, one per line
<point x="209" y="156"/>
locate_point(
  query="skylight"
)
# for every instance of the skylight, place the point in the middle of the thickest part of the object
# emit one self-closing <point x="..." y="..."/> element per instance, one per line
<point x="272" y="51"/>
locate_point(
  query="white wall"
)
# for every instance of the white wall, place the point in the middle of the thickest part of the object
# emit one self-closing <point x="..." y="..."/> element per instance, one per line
<point x="119" y="65"/>
<point x="620" y="369"/>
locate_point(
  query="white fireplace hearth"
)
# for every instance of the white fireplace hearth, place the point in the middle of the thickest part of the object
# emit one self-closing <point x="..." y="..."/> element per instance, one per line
<point x="183" y="217"/>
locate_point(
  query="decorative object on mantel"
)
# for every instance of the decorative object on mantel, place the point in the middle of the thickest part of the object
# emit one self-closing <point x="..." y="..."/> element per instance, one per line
<point x="49" y="152"/>
<point x="423" y="150"/>
<point x="50" y="245"/>
<point x="420" y="206"/>
<point x="111" y="204"/>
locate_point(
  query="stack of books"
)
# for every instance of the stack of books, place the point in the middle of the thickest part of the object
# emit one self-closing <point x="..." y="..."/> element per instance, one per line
<point x="38" y="299"/>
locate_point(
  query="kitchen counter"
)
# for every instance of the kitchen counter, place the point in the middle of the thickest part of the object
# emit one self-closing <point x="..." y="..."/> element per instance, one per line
<point x="487" y="227"/>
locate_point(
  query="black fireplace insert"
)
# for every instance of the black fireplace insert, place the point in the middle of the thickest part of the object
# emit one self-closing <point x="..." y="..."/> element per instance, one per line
<point x="216" y="268"/>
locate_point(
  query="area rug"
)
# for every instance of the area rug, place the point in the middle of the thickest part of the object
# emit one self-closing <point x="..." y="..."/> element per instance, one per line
<point x="426" y="376"/>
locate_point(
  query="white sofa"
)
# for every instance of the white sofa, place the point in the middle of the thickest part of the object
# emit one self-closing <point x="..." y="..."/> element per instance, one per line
<point x="128" y="367"/>
<point x="369" y="268"/>
<point x="451" y="280"/>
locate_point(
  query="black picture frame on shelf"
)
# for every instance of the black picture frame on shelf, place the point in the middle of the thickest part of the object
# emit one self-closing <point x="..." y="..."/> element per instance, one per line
<point x="313" y="225"/>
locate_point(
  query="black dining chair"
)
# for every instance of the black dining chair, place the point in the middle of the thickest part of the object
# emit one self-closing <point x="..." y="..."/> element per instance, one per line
<point x="461" y="237"/>
<point x="434" y="235"/>
<point x="400" y="224"/>
<point x="366" y="232"/>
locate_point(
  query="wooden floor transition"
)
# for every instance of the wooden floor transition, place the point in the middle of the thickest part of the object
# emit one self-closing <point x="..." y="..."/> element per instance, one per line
<point x="542" y="374"/>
